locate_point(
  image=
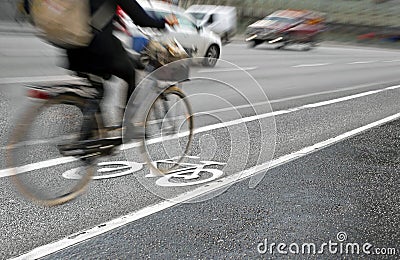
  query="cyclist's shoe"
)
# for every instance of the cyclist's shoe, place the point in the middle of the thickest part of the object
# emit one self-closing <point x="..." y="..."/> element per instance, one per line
<point x="127" y="132"/>
<point x="90" y="148"/>
<point x="115" y="131"/>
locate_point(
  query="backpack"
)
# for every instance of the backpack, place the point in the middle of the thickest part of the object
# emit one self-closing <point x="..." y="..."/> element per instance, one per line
<point x="68" y="23"/>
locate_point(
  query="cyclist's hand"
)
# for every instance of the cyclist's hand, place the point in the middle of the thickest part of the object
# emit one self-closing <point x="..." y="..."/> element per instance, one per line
<point x="171" y="20"/>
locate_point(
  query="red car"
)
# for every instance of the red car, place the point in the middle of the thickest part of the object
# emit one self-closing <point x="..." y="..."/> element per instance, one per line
<point x="286" y="27"/>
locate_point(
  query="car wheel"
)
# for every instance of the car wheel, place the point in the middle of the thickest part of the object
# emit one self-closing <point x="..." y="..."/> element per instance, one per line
<point x="281" y="46"/>
<point x="307" y="47"/>
<point x="211" y="56"/>
<point x="254" y="43"/>
<point x="225" y="38"/>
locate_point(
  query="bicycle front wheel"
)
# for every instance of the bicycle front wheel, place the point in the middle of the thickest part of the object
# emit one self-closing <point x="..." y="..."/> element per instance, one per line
<point x="168" y="131"/>
<point x="34" y="151"/>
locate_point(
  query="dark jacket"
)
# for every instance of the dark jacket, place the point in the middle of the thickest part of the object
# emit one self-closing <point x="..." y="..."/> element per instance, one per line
<point x="106" y="55"/>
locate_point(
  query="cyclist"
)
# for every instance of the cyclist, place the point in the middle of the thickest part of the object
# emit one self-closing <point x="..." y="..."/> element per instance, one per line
<point x="106" y="55"/>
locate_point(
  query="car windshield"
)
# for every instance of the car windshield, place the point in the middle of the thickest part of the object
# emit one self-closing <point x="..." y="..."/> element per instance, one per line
<point x="198" y="16"/>
<point x="156" y="14"/>
<point x="281" y="19"/>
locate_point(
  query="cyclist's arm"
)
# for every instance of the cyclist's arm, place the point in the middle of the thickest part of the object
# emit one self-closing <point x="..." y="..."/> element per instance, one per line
<point x="139" y="15"/>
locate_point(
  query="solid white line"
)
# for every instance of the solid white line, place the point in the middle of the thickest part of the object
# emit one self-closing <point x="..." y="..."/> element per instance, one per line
<point x="35" y="166"/>
<point x="229" y="180"/>
<point x="34" y="79"/>
<point x="227" y="70"/>
<point x="311" y="65"/>
<point x="8" y="172"/>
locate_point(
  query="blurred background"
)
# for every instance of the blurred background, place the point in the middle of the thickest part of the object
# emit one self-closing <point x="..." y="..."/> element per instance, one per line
<point x="373" y="21"/>
<point x="368" y="21"/>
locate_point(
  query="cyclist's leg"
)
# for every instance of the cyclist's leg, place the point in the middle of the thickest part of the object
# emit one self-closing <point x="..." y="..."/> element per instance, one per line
<point x="125" y="70"/>
<point x="105" y="55"/>
<point x="92" y="106"/>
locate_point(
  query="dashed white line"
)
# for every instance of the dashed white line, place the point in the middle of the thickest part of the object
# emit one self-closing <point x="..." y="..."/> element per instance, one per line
<point x="362" y="62"/>
<point x="349" y="63"/>
<point x="29" y="53"/>
<point x="310" y="65"/>
<point x="224" y="182"/>
<point x="228" y="70"/>
<point x="390" y="61"/>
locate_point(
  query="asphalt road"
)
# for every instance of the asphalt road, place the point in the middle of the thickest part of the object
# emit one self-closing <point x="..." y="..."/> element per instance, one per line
<point x="315" y="115"/>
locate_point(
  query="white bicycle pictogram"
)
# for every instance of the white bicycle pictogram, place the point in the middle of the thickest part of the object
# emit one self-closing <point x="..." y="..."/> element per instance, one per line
<point x="188" y="175"/>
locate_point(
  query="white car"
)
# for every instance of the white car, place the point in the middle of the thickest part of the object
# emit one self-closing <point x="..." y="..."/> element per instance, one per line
<point x="220" y="19"/>
<point x="187" y="33"/>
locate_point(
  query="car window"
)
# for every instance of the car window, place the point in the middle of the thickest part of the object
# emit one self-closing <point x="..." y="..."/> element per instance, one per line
<point x="185" y="23"/>
<point x="211" y="19"/>
<point x="156" y="14"/>
<point x="281" y="19"/>
<point x="198" y="16"/>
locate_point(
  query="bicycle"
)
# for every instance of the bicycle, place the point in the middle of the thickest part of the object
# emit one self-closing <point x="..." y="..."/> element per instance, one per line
<point x="55" y="126"/>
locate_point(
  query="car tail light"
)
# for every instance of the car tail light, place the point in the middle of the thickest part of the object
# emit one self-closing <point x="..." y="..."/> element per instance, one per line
<point x="38" y="94"/>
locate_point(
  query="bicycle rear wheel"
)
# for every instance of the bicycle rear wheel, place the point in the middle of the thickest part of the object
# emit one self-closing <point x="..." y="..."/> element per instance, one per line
<point x="34" y="153"/>
<point x="168" y="131"/>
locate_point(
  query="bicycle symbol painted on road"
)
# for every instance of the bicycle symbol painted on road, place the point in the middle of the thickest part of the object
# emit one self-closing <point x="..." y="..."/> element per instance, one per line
<point x="187" y="175"/>
<point x="121" y="168"/>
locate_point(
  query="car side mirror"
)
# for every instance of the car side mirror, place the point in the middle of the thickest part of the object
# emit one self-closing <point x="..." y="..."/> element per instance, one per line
<point x="199" y="28"/>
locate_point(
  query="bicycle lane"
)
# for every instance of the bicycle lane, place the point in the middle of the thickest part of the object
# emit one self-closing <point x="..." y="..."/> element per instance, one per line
<point x="309" y="125"/>
<point x="344" y="194"/>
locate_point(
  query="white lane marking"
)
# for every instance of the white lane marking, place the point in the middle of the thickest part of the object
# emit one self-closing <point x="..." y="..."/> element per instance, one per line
<point x="28" y="53"/>
<point x="229" y="180"/>
<point x="35" y="166"/>
<point x="324" y="92"/>
<point x="34" y="79"/>
<point x="262" y="103"/>
<point x="273" y="101"/>
<point x="362" y="62"/>
<point x="121" y="168"/>
<point x="8" y="172"/>
<point x="310" y="65"/>
<point x="265" y="115"/>
<point x="227" y="70"/>
<point x="390" y="61"/>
